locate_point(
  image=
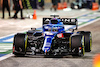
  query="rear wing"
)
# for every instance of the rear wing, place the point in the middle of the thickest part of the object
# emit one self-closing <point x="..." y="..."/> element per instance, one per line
<point x="70" y="21"/>
<point x="46" y="20"/>
<point x="66" y="21"/>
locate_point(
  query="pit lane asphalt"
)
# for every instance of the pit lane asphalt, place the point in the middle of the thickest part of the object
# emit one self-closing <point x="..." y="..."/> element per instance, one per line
<point x="68" y="61"/>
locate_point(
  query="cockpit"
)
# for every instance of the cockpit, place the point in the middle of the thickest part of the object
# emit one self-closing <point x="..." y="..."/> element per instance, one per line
<point x="54" y="21"/>
<point x="53" y="28"/>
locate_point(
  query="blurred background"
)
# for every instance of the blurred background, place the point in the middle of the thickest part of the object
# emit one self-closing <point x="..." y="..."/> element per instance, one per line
<point x="47" y="2"/>
<point x="53" y="5"/>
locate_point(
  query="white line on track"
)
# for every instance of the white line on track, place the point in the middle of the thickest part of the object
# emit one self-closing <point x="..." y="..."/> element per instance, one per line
<point x="6" y="56"/>
<point x="3" y="50"/>
<point x="88" y="23"/>
<point x="5" y="46"/>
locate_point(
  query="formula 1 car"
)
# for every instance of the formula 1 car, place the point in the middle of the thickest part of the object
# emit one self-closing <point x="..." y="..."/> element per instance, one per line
<point x="53" y="40"/>
<point x="79" y="4"/>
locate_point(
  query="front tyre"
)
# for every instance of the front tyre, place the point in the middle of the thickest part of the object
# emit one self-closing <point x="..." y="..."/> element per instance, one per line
<point x="20" y="44"/>
<point x="88" y="40"/>
<point x="77" y="45"/>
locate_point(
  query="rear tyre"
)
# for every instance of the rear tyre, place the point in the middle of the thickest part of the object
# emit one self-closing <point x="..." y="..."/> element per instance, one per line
<point x="88" y="40"/>
<point x="20" y="44"/>
<point x="79" y="7"/>
<point x="77" y="45"/>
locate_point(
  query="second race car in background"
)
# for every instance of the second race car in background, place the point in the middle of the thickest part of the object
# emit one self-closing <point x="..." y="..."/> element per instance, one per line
<point x="79" y="4"/>
<point x="53" y="39"/>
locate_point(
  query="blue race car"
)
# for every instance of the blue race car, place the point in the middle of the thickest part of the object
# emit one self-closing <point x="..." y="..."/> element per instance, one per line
<point x="53" y="40"/>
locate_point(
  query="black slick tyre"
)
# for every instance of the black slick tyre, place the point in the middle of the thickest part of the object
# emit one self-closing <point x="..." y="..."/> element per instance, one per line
<point x="77" y="45"/>
<point x="20" y="44"/>
<point x="87" y="40"/>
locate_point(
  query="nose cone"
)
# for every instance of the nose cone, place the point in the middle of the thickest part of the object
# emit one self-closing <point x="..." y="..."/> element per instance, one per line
<point x="47" y="43"/>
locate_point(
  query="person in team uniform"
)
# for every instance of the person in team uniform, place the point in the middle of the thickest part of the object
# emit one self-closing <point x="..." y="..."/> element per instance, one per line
<point x="89" y="4"/>
<point x="18" y="7"/>
<point x="99" y="5"/>
<point x="41" y="4"/>
<point x="14" y="9"/>
<point x="5" y="4"/>
<point x="54" y="5"/>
